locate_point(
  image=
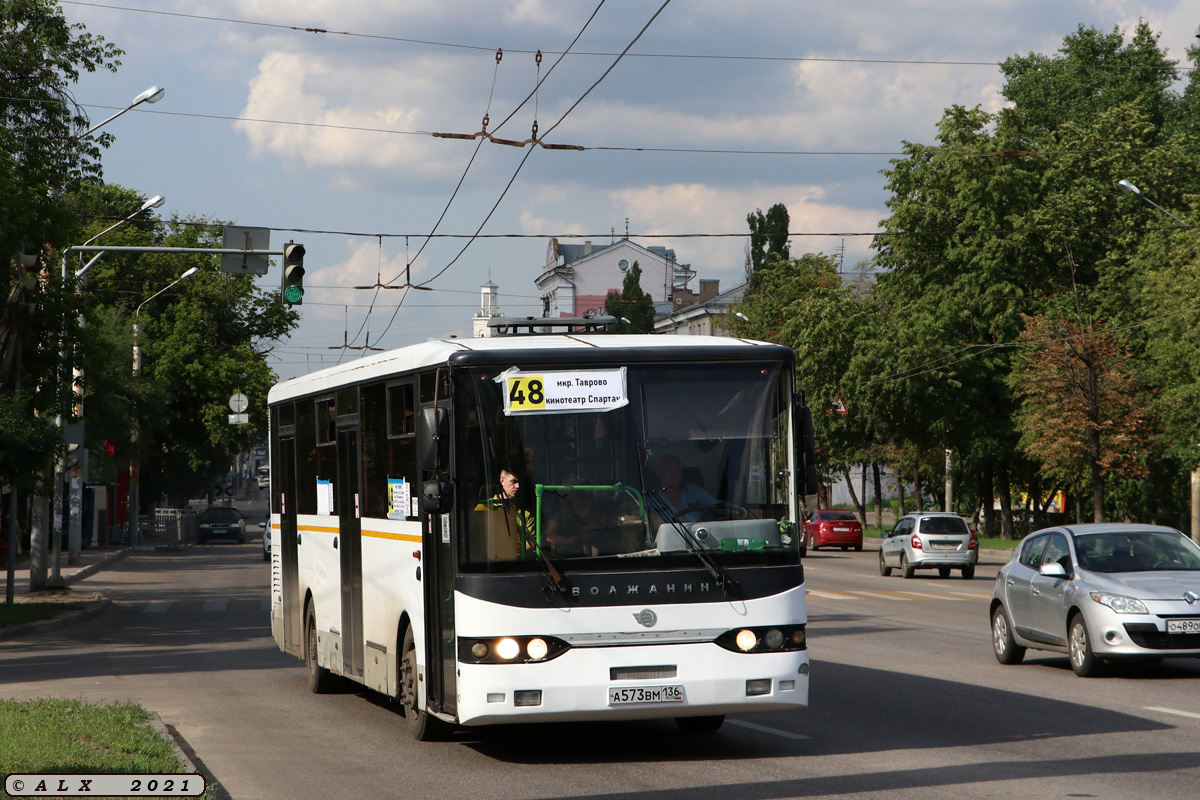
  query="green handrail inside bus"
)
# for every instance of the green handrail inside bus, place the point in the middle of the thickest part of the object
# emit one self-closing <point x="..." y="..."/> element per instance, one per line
<point x="539" y="488"/>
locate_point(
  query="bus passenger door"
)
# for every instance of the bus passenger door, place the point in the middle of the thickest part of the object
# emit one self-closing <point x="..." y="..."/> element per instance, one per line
<point x="283" y="487"/>
<point x="350" y="551"/>
<point x="438" y="587"/>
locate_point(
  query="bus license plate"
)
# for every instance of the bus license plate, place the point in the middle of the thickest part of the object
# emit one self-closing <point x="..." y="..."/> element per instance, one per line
<point x="624" y="695"/>
<point x="1183" y="626"/>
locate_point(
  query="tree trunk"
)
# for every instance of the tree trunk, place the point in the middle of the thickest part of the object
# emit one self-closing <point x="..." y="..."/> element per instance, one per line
<point x="1004" y="489"/>
<point x="900" y="490"/>
<point x="879" y="496"/>
<point x="861" y="507"/>
<point x="917" y="489"/>
<point x="986" y="498"/>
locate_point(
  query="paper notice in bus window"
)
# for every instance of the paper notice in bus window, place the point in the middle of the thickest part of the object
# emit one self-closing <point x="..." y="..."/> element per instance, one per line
<point x="562" y="392"/>
<point x="324" y="497"/>
<point x="399" y="498"/>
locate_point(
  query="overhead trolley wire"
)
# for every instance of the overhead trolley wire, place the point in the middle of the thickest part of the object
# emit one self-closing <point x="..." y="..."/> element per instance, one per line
<point x="676" y="56"/>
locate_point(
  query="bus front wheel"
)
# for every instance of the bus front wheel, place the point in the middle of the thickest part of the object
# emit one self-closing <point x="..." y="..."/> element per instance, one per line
<point x="422" y="726"/>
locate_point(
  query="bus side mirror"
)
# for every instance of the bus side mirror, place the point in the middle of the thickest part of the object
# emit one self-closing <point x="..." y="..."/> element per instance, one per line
<point x="807" y="447"/>
<point x="435" y="438"/>
<point x="437" y="497"/>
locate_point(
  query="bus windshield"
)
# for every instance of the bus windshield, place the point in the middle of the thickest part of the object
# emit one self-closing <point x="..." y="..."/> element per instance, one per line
<point x="646" y="461"/>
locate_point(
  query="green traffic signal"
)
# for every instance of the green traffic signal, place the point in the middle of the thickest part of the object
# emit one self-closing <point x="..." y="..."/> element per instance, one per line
<point x="293" y="274"/>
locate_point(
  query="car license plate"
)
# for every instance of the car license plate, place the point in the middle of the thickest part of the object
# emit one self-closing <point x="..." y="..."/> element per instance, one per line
<point x="944" y="545"/>
<point x="1183" y="626"/>
<point x="842" y="530"/>
<point x="624" y="695"/>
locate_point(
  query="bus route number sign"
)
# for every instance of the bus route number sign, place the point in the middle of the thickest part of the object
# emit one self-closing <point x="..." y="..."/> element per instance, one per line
<point x="527" y="393"/>
<point x="562" y="392"/>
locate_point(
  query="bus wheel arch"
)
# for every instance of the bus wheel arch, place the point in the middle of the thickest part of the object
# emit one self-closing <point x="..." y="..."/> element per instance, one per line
<point x="423" y="726"/>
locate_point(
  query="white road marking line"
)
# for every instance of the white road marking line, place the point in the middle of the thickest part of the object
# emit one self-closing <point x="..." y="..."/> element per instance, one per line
<point x="932" y="596"/>
<point x="158" y="606"/>
<point x="832" y="595"/>
<point x="972" y="595"/>
<point x="773" y="731"/>
<point x="1172" y="711"/>
<point x="886" y="596"/>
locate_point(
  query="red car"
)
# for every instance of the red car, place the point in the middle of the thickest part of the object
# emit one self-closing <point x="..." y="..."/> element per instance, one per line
<point x="832" y="528"/>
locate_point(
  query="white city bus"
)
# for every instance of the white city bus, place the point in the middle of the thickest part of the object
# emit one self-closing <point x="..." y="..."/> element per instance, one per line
<point x="401" y="563"/>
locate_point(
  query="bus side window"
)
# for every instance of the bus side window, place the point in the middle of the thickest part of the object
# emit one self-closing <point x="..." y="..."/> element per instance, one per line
<point x="374" y="447"/>
<point x="402" y="435"/>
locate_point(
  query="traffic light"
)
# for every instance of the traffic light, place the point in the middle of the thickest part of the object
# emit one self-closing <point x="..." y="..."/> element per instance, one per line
<point x="293" y="274"/>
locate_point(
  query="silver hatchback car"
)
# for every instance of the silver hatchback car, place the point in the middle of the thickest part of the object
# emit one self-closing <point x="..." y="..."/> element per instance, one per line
<point x="929" y="540"/>
<point x="1099" y="592"/>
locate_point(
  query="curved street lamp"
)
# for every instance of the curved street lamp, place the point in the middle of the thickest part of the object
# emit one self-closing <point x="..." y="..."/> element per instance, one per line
<point x="151" y="95"/>
<point x="134" y="471"/>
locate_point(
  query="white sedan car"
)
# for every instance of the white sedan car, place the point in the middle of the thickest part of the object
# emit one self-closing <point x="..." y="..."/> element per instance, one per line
<point x="1097" y="593"/>
<point x="266" y="529"/>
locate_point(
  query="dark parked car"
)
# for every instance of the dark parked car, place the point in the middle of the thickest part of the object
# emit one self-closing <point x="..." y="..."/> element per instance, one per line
<point x="221" y="522"/>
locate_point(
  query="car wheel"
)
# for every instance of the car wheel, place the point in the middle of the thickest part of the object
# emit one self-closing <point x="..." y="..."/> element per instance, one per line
<point x="422" y="726"/>
<point x="884" y="569"/>
<point x="1079" y="645"/>
<point x="320" y="680"/>
<point x="906" y="568"/>
<point x="266" y="556"/>
<point x="858" y="547"/>
<point x="943" y="572"/>
<point x="1006" y="649"/>
<point x="700" y="724"/>
<point x="968" y="572"/>
<point x="845" y="547"/>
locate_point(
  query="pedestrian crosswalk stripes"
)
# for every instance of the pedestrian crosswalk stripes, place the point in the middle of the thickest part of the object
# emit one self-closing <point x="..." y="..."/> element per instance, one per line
<point x="826" y="594"/>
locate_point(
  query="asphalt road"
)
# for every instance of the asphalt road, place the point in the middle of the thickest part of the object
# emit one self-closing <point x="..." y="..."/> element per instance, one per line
<point x="907" y="702"/>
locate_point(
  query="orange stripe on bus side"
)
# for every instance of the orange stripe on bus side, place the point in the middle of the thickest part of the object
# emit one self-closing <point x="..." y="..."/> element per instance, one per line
<point x="399" y="537"/>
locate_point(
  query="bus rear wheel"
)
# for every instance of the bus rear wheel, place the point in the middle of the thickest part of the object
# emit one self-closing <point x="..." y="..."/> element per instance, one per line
<point x="422" y="726"/>
<point x="700" y="724"/>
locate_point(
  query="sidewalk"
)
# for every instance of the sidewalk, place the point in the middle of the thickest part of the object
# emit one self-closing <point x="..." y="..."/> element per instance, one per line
<point x="91" y="560"/>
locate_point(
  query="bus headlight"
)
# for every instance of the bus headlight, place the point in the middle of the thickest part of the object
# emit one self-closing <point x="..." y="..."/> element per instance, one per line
<point x="510" y="649"/>
<point x="537" y="649"/>
<point x="778" y="639"/>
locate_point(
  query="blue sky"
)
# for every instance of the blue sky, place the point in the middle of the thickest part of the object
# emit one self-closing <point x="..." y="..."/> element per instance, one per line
<point x="326" y="137"/>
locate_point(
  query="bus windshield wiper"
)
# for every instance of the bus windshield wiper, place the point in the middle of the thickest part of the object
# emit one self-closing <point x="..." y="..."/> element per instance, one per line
<point x="664" y="510"/>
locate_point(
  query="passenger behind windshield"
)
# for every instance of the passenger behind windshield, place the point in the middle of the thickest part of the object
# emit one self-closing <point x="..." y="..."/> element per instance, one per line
<point x="591" y="521"/>
<point x="676" y="500"/>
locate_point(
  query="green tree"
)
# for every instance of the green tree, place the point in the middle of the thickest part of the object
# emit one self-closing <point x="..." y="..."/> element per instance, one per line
<point x="42" y="149"/>
<point x="768" y="238"/>
<point x="1081" y="413"/>
<point x="632" y="303"/>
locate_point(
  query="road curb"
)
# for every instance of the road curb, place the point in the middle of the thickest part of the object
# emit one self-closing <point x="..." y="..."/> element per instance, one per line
<point x="191" y="762"/>
<point x="95" y="609"/>
<point x="92" y="569"/>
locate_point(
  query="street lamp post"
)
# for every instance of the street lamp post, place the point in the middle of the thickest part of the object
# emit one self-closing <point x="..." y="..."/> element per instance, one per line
<point x="74" y="504"/>
<point x="134" y="466"/>
<point x="37" y="564"/>
<point x="1129" y="188"/>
